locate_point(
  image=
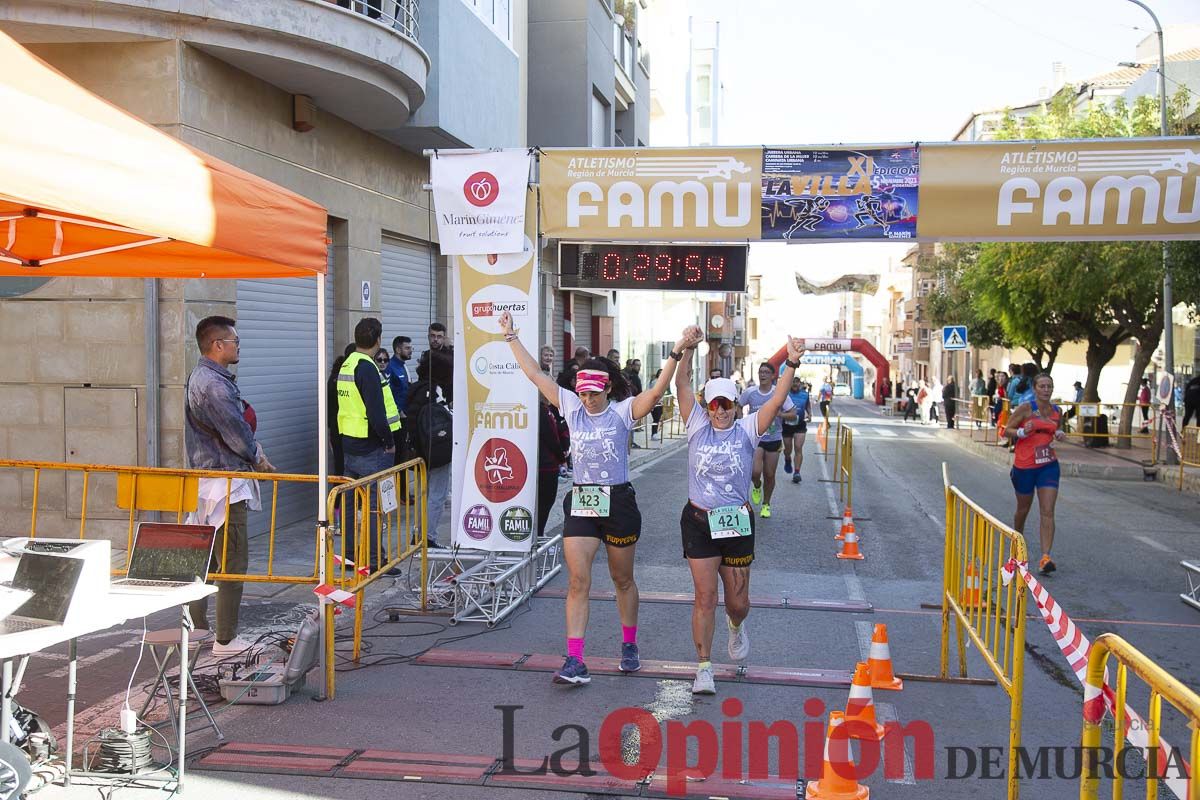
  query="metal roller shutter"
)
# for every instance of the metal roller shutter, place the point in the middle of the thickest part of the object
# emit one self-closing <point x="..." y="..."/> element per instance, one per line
<point x="556" y="337"/>
<point x="409" y="291"/>
<point x="583" y="321"/>
<point x="277" y="320"/>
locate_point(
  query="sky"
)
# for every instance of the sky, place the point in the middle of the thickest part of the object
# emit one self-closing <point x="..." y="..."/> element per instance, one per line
<point x="867" y="71"/>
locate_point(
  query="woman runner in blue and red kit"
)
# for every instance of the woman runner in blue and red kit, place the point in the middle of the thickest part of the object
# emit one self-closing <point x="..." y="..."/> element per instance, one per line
<point x="1035" y="426"/>
<point x="601" y="506"/>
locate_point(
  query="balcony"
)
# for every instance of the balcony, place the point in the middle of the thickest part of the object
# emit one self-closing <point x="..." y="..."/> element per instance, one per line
<point x="357" y="59"/>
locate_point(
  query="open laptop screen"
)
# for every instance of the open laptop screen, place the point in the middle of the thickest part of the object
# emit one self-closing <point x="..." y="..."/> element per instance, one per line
<point x="167" y="552"/>
<point x="52" y="579"/>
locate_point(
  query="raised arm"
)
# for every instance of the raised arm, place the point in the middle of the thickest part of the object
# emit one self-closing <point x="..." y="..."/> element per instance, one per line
<point x="685" y="396"/>
<point x="769" y="409"/>
<point x="644" y="403"/>
<point x="529" y="366"/>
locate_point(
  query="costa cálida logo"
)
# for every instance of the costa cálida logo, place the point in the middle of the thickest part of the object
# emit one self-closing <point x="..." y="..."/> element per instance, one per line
<point x="481" y="189"/>
<point x="622" y="194"/>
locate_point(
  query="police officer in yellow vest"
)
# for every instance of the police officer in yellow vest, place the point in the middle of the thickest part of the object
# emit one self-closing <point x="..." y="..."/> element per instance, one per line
<point x="367" y="417"/>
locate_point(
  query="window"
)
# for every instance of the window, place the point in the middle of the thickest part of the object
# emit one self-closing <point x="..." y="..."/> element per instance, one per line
<point x="925" y="287"/>
<point x="923" y="337"/>
<point x="599" y="123"/>
<point x="754" y="329"/>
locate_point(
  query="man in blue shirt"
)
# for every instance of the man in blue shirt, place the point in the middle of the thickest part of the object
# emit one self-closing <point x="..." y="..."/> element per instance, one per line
<point x="397" y="374"/>
<point x="794" y="433"/>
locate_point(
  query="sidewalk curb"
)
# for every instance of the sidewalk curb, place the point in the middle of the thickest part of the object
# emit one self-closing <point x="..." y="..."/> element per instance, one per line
<point x="1001" y="456"/>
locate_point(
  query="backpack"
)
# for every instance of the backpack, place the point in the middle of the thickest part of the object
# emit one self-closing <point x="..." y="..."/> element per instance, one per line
<point x="434" y="432"/>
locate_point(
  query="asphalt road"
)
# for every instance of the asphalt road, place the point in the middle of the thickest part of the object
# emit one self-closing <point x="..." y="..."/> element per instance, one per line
<point x="1118" y="548"/>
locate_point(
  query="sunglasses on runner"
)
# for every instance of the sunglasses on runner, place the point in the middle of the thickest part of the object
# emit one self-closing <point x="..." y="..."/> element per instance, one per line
<point x="722" y="403"/>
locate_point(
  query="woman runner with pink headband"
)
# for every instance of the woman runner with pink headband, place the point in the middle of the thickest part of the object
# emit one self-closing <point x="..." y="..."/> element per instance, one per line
<point x="602" y="505"/>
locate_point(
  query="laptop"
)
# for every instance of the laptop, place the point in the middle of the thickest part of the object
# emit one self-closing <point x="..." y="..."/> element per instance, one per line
<point x="167" y="555"/>
<point x="52" y="580"/>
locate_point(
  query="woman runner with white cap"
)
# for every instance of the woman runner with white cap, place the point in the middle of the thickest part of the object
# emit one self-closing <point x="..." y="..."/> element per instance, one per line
<point x="601" y="506"/>
<point x="718" y="521"/>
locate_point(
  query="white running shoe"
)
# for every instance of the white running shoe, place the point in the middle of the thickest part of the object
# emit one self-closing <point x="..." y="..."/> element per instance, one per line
<point x="739" y="641"/>
<point x="234" y="647"/>
<point x="704" y="683"/>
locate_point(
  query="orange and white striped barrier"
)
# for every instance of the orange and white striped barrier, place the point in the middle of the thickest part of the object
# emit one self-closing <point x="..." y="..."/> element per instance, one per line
<point x="347" y="562"/>
<point x="833" y="786"/>
<point x="336" y="595"/>
<point x="861" y="705"/>
<point x="880" y="661"/>
<point x="1096" y="699"/>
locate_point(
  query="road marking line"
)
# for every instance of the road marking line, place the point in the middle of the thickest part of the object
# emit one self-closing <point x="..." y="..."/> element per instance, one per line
<point x="1159" y="546"/>
<point x="61" y="672"/>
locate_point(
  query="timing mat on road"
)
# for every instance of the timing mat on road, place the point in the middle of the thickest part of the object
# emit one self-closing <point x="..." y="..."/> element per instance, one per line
<point x="456" y="768"/>
<point x="784" y="600"/>
<point x="678" y="670"/>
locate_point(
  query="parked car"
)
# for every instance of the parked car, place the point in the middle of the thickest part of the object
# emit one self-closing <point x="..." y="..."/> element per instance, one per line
<point x="841" y="390"/>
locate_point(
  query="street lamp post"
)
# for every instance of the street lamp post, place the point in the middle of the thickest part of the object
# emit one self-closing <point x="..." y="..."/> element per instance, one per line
<point x="1167" y="298"/>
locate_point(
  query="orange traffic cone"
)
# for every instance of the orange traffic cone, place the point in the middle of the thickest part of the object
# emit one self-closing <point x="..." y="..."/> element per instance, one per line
<point x="847" y="523"/>
<point x="880" y="661"/>
<point x="850" y="546"/>
<point x="833" y="786"/>
<point x="861" y="705"/>
<point x="972" y="595"/>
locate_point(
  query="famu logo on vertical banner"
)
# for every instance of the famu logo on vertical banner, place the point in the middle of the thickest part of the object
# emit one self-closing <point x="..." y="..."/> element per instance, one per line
<point x="495" y="422"/>
<point x="695" y="194"/>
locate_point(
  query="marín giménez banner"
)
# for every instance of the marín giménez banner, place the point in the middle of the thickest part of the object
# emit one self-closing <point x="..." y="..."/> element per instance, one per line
<point x="495" y="405"/>
<point x="813" y="195"/>
<point x="479" y="201"/>
<point x="864" y="283"/>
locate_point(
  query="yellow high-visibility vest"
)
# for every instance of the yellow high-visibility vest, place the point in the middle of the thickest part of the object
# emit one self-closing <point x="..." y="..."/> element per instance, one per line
<point x="352" y="411"/>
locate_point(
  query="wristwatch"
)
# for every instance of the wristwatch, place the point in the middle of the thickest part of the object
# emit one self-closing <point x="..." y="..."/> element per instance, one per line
<point x="792" y="364"/>
<point x="677" y="356"/>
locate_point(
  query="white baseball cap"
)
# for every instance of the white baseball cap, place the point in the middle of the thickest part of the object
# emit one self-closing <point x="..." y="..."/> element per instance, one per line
<point x="720" y="387"/>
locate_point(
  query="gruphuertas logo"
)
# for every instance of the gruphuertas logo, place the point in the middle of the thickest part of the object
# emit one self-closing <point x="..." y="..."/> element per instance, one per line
<point x="494" y="308"/>
<point x="481" y="189"/>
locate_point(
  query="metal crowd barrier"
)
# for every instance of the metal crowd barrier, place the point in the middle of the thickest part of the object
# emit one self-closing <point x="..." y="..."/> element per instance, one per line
<point x="383" y="518"/>
<point x="844" y="464"/>
<point x="1189" y="449"/>
<point x="991" y="615"/>
<point x="103" y="490"/>
<point x="669" y="426"/>
<point x="1162" y="686"/>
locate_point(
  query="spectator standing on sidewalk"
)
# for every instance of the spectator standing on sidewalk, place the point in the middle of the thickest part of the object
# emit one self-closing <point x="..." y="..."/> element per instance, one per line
<point x="990" y="389"/>
<point x="433" y="433"/>
<point x="980" y="385"/>
<point x="911" y="405"/>
<point x="554" y="441"/>
<point x="950" y="398"/>
<point x="1143" y="399"/>
<point x="398" y="384"/>
<point x="1191" y="401"/>
<point x="566" y="378"/>
<point x="219" y="436"/>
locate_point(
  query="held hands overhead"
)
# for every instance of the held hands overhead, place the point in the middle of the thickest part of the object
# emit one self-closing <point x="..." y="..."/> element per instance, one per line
<point x="689" y="339"/>
<point x="795" y="348"/>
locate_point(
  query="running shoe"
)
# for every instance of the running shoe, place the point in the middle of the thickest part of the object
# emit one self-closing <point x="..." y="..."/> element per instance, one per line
<point x="766" y="511"/>
<point x="704" y="683"/>
<point x="1046" y="565"/>
<point x="755" y="495"/>
<point x="574" y="672"/>
<point x="630" y="660"/>
<point x="739" y="642"/>
<point x="796" y="478"/>
<point x="787" y="466"/>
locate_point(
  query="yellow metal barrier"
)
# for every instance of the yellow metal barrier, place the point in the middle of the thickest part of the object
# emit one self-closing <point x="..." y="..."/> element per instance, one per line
<point x="1085" y="416"/>
<point x="383" y="516"/>
<point x="844" y="464"/>
<point x="991" y="615"/>
<point x="1189" y="448"/>
<point x="1162" y="686"/>
<point x="104" y="489"/>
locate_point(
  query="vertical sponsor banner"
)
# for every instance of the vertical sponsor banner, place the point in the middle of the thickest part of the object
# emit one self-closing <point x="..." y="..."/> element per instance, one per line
<point x="1099" y="189"/>
<point x="813" y="195"/>
<point x="479" y="200"/>
<point x="495" y="419"/>
<point x="695" y="194"/>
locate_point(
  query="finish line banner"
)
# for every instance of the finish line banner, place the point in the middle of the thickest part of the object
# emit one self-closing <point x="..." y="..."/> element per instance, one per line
<point x="496" y="414"/>
<point x="1100" y="189"/>
<point x="479" y="201"/>
<point x="696" y="194"/>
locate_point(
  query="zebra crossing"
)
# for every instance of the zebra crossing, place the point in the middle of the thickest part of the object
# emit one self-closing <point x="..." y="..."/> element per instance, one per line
<point x="885" y="429"/>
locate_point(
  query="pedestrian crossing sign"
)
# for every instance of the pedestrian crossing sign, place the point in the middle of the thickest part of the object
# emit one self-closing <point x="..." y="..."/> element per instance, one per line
<point x="954" y="337"/>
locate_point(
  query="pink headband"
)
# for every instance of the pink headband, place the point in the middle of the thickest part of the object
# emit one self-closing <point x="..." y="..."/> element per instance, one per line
<point x="591" y="380"/>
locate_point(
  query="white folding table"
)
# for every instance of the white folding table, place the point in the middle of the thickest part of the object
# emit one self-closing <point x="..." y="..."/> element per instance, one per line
<point x="108" y="612"/>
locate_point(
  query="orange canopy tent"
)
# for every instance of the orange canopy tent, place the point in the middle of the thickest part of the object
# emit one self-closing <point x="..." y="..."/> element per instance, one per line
<point x="87" y="189"/>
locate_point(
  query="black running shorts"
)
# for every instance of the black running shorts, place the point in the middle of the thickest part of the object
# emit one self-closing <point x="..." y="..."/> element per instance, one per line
<point x="698" y="541"/>
<point x="621" y="528"/>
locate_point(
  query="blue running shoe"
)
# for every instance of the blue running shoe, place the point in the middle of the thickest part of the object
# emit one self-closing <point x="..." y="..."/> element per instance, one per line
<point x="787" y="465"/>
<point x="630" y="660"/>
<point x="573" y="673"/>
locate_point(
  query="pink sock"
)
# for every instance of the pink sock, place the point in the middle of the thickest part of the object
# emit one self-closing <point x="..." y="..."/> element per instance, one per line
<point x="575" y="647"/>
<point x="629" y="634"/>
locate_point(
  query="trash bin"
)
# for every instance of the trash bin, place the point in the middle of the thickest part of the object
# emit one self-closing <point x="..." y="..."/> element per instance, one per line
<point x="1096" y="425"/>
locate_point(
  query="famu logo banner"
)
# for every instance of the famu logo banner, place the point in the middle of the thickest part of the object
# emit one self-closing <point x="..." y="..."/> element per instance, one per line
<point x="479" y="200"/>
<point x="692" y="194"/>
<point x="1092" y="189"/>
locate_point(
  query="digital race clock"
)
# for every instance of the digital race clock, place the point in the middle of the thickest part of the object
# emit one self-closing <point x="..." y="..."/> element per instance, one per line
<point x="670" y="267"/>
